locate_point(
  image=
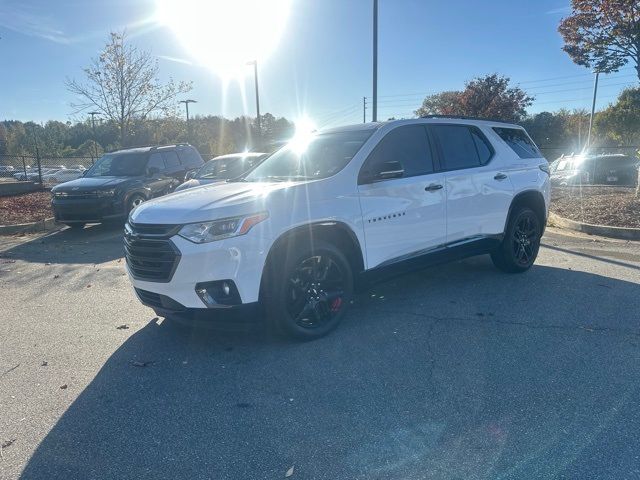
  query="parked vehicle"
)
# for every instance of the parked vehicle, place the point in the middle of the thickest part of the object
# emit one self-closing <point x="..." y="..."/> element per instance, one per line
<point x="61" y="176"/>
<point x="607" y="169"/>
<point x="122" y="180"/>
<point x="7" y="170"/>
<point x="223" y="168"/>
<point x="32" y="174"/>
<point x="298" y="232"/>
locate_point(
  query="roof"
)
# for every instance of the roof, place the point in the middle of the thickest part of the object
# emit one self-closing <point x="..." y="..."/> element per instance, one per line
<point x="240" y="155"/>
<point x="148" y="148"/>
<point x="424" y="119"/>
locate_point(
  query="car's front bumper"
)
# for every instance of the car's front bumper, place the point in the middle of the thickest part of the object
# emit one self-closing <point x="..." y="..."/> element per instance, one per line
<point x="239" y="260"/>
<point x="87" y="210"/>
<point x="166" y="307"/>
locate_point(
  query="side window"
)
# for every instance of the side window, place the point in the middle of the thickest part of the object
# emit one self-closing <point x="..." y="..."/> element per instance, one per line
<point x="519" y="142"/>
<point x="190" y="157"/>
<point x="485" y="152"/>
<point x="458" y="146"/>
<point x="156" y="161"/>
<point x="171" y="159"/>
<point x="406" y="148"/>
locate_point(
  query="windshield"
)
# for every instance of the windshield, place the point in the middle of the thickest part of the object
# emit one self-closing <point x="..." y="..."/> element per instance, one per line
<point x="119" y="165"/>
<point x="226" y="168"/>
<point x="323" y="156"/>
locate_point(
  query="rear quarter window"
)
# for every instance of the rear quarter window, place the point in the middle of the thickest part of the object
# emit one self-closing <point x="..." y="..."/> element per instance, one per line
<point x="190" y="157"/>
<point x="519" y="142"/>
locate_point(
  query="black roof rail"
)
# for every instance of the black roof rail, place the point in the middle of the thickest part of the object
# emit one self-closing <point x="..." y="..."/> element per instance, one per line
<point x="154" y="146"/>
<point x="463" y="117"/>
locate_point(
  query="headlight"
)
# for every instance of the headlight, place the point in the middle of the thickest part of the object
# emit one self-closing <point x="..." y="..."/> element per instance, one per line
<point x="106" y="193"/>
<point x="227" y="227"/>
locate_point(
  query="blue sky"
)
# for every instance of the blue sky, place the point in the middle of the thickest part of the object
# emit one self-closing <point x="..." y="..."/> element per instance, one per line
<point x="321" y="67"/>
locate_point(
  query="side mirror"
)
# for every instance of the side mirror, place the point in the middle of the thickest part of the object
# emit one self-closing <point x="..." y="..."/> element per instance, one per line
<point x="153" y="171"/>
<point x="190" y="174"/>
<point x="389" y="170"/>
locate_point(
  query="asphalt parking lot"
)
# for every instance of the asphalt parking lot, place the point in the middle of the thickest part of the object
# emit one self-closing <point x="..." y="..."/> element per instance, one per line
<point x="457" y="371"/>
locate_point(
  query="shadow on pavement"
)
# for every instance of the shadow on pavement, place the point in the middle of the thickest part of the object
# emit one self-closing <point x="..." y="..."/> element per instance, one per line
<point x="93" y="244"/>
<point x="449" y="373"/>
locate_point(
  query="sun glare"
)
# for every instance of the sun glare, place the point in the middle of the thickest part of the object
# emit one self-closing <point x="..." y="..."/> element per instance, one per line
<point x="305" y="131"/>
<point x="224" y="35"/>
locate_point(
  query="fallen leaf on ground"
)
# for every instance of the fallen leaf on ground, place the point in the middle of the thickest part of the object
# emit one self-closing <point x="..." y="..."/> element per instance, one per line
<point x="289" y="472"/>
<point x="44" y="364"/>
<point x="122" y="327"/>
<point x="8" y="443"/>
<point x="56" y="276"/>
<point x="63" y="387"/>
<point x="89" y="286"/>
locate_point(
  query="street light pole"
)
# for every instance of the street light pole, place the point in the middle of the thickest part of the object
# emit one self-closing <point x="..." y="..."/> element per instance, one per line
<point x="375" y="61"/>
<point x="93" y="129"/>
<point x="255" y="76"/>
<point x="186" y="105"/>
<point x="593" y="108"/>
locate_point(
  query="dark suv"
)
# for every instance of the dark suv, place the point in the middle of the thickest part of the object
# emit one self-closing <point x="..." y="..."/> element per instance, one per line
<point x="120" y="181"/>
<point x="611" y="169"/>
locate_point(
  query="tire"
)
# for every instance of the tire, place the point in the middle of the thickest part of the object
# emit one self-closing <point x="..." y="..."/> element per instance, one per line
<point x="76" y="226"/>
<point x="309" y="296"/>
<point x="134" y="201"/>
<point x="521" y="243"/>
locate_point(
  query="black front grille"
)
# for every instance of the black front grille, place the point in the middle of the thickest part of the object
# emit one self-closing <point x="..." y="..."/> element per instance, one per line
<point x="157" y="230"/>
<point x="150" y="256"/>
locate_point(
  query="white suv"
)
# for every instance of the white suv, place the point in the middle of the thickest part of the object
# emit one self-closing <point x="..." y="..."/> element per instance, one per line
<point x="299" y="231"/>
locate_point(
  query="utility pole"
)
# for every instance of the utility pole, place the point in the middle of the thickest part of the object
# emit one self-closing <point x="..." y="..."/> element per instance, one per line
<point x="364" y="109"/>
<point x="186" y="105"/>
<point x="593" y="108"/>
<point x="35" y="141"/>
<point x="375" y="60"/>
<point x="93" y="129"/>
<point x="255" y="76"/>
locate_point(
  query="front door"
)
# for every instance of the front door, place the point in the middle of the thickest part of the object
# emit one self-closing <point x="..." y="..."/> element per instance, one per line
<point x="401" y="197"/>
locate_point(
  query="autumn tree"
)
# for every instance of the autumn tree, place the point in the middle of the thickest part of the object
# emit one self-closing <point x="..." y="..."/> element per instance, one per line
<point x="486" y="97"/>
<point x="603" y="34"/>
<point x="620" y="122"/>
<point x="122" y="84"/>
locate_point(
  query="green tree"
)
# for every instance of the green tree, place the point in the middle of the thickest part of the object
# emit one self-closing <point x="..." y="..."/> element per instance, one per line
<point x="620" y="122"/>
<point x="122" y="84"/>
<point x="486" y="97"/>
<point x="603" y="34"/>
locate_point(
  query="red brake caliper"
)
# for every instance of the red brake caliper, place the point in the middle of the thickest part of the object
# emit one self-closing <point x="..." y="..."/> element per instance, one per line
<point x="335" y="305"/>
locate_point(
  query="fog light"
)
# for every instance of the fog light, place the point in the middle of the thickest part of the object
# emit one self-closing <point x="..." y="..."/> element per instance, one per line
<point x="222" y="293"/>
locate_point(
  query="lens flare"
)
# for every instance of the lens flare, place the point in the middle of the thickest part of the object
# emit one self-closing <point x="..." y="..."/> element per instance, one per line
<point x="305" y="131"/>
<point x="224" y="35"/>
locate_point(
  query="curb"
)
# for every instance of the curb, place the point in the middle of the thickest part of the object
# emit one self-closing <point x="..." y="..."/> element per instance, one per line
<point x="623" y="233"/>
<point x="34" y="227"/>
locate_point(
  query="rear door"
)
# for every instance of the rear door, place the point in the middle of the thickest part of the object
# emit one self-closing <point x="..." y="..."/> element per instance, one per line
<point x="478" y="193"/>
<point x="401" y="197"/>
<point x="174" y="169"/>
<point x="158" y="182"/>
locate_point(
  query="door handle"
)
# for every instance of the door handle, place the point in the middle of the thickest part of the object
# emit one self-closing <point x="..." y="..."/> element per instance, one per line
<point x="500" y="176"/>
<point x="433" y="187"/>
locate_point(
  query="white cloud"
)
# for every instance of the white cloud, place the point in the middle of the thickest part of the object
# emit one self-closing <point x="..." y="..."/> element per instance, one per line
<point x="27" y="20"/>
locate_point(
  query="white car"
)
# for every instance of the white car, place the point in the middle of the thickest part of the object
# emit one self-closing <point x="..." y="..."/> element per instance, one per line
<point x="61" y="176"/>
<point x="222" y="168"/>
<point x="298" y="232"/>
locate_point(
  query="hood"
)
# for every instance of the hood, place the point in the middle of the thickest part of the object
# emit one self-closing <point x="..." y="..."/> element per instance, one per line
<point x="196" y="182"/>
<point x="209" y="202"/>
<point x="92" y="183"/>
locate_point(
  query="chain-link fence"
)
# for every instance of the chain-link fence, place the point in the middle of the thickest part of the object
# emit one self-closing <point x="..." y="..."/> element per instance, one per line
<point x="45" y="170"/>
